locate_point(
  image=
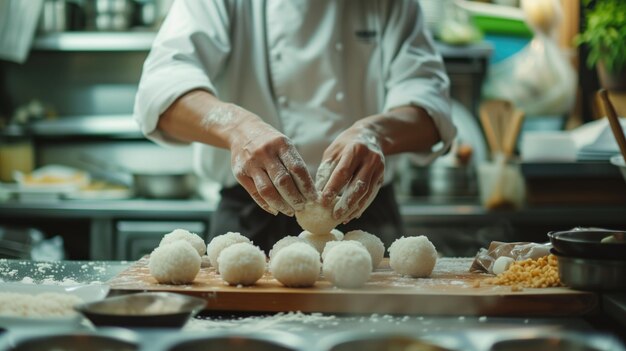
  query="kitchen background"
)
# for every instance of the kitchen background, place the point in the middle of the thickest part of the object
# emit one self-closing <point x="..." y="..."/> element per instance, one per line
<point x="66" y="99"/>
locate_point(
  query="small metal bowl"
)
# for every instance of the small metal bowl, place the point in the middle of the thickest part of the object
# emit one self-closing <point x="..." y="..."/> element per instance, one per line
<point x="591" y="274"/>
<point x="151" y="309"/>
<point x="555" y="344"/>
<point x="385" y="343"/>
<point x="268" y="340"/>
<point x="588" y="243"/>
<point x="108" y="340"/>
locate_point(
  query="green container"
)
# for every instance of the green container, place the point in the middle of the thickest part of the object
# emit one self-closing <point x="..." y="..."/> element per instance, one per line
<point x="496" y="25"/>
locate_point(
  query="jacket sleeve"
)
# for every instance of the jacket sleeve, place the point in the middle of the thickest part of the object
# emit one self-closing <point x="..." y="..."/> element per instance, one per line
<point x="189" y="50"/>
<point x="414" y="71"/>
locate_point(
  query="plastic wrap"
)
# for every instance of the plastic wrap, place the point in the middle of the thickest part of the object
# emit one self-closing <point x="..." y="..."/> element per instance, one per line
<point x="518" y="251"/>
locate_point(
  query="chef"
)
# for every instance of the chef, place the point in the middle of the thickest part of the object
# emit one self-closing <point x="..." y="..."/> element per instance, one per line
<point x="289" y="101"/>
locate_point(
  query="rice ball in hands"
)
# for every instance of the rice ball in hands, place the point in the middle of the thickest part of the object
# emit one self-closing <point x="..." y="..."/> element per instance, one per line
<point x="221" y="242"/>
<point x="347" y="264"/>
<point x="413" y="256"/>
<point x="317" y="219"/>
<point x="175" y="263"/>
<point x="297" y="265"/>
<point x="241" y="263"/>
<point x="372" y="243"/>
<point x="181" y="234"/>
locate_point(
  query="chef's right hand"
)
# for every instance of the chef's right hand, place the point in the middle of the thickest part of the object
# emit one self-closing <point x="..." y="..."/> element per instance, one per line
<point x="266" y="163"/>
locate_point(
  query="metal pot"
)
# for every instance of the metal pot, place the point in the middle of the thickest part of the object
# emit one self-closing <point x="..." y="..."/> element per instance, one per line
<point x="165" y="186"/>
<point x="153" y="185"/>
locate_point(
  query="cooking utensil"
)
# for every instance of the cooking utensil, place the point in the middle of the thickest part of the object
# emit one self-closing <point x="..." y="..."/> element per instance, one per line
<point x="269" y="340"/>
<point x="616" y="127"/>
<point x="369" y="342"/>
<point x="176" y="184"/>
<point x="587" y="243"/>
<point x="151" y="309"/>
<point x="37" y="339"/>
<point x="591" y="274"/>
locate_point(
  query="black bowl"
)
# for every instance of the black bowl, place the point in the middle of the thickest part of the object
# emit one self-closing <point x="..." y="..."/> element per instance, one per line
<point x="587" y="243"/>
<point x="152" y="309"/>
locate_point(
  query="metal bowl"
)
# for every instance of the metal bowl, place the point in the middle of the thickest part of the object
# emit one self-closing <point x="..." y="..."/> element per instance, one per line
<point x="268" y="340"/>
<point x="588" y="243"/>
<point x="165" y="186"/>
<point x="558" y="343"/>
<point x="152" y="309"/>
<point x="384" y="343"/>
<point x="109" y="340"/>
<point x="591" y="274"/>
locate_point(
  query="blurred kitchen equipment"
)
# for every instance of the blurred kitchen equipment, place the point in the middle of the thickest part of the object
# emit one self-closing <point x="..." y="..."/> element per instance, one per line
<point x="109" y="15"/>
<point x="150" y="309"/>
<point x="16" y="153"/>
<point x="616" y="127"/>
<point x="595" y="243"/>
<point x="18" y="21"/>
<point x="591" y="274"/>
<point x="500" y="182"/>
<point x="54" y="17"/>
<point x="154" y="184"/>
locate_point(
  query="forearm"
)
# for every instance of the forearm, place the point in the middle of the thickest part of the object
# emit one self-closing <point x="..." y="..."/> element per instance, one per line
<point x="198" y="116"/>
<point x="403" y="129"/>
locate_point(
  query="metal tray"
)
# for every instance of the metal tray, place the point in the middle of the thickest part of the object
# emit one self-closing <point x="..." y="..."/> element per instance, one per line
<point x="587" y="243"/>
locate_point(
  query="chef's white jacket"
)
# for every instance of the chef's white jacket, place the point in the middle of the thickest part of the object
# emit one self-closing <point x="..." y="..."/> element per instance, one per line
<point x="310" y="68"/>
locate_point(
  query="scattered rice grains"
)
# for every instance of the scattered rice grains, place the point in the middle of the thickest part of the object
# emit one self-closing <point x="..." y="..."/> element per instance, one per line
<point x="540" y="273"/>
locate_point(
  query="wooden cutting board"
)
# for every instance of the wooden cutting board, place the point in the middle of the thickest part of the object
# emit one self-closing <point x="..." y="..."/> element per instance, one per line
<point x="449" y="291"/>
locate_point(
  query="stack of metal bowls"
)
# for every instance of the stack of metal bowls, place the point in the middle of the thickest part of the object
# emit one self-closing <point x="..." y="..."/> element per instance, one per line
<point x="591" y="258"/>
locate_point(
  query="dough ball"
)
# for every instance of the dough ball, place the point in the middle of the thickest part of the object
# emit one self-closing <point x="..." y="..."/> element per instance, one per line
<point x="221" y="242"/>
<point x="414" y="256"/>
<point x="297" y="265"/>
<point x="317" y="241"/>
<point x="283" y="243"/>
<point x="337" y="233"/>
<point x="347" y="265"/>
<point x="316" y="218"/>
<point x="181" y="234"/>
<point x="175" y="263"/>
<point x="501" y="264"/>
<point x="241" y="263"/>
<point x="372" y="243"/>
<point x="331" y="244"/>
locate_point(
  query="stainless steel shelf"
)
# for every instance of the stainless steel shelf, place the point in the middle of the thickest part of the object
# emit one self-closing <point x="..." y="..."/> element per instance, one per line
<point x="95" y="41"/>
<point x="100" y="125"/>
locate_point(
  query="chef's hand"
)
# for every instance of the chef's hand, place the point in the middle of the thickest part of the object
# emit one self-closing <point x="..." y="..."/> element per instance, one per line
<point x="354" y="163"/>
<point x="268" y="166"/>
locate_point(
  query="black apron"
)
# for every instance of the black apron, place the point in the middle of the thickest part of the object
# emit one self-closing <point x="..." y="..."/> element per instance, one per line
<point x="237" y="212"/>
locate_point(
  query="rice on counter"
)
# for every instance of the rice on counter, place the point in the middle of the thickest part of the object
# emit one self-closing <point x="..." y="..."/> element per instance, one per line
<point x="42" y="305"/>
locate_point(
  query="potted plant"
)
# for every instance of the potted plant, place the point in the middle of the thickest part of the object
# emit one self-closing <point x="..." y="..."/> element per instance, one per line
<point x="605" y="36"/>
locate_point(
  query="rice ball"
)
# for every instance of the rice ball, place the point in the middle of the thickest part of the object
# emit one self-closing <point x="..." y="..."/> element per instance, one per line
<point x="221" y="242"/>
<point x="297" y="265"/>
<point x="347" y="265"/>
<point x="181" y="234"/>
<point x="372" y="243"/>
<point x="175" y="263"/>
<point x="414" y="256"/>
<point x="316" y="218"/>
<point x="317" y="241"/>
<point x="284" y="242"/>
<point x="331" y="244"/>
<point x="241" y="263"/>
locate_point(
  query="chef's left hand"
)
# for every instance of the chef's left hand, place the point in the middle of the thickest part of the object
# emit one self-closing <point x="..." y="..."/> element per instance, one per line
<point x="354" y="163"/>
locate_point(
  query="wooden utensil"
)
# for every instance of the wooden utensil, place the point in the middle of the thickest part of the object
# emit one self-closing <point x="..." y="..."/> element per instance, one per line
<point x="616" y="127"/>
<point x="501" y="123"/>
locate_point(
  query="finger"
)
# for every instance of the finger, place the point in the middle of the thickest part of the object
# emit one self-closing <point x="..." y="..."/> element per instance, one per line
<point x="367" y="200"/>
<point x="248" y="184"/>
<point x="323" y="174"/>
<point x="284" y="183"/>
<point x="354" y="192"/>
<point x="338" y="180"/>
<point x="299" y="173"/>
<point x="268" y="192"/>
